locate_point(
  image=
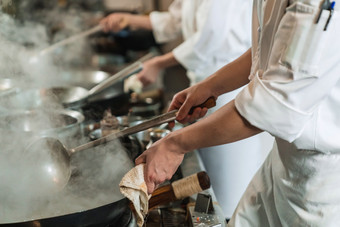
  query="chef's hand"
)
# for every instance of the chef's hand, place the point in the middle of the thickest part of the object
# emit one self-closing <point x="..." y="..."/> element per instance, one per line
<point x="188" y="98"/>
<point x="161" y="161"/>
<point x="150" y="72"/>
<point x="115" y="22"/>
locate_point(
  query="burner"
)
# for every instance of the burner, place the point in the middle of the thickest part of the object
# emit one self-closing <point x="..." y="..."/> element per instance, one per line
<point x="119" y="106"/>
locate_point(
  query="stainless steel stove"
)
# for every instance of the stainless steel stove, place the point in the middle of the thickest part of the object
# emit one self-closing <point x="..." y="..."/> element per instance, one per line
<point x="185" y="212"/>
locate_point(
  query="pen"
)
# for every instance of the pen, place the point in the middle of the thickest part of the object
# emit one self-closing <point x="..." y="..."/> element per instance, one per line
<point x="331" y="10"/>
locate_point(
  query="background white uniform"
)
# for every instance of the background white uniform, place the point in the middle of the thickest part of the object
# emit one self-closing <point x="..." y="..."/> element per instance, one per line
<point x="215" y="33"/>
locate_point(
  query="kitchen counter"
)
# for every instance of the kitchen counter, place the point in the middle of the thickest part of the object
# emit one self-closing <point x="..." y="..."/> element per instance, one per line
<point x="192" y="164"/>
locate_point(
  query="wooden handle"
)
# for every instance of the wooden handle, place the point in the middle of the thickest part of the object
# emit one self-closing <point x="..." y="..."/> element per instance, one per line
<point x="210" y="102"/>
<point x="179" y="189"/>
<point x="191" y="185"/>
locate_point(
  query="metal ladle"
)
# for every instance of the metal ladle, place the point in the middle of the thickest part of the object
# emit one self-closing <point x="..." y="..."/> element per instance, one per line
<point x="55" y="158"/>
<point x="53" y="47"/>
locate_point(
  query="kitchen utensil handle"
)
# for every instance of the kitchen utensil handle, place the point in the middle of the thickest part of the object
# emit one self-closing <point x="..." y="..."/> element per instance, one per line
<point x="179" y="189"/>
<point x="209" y="103"/>
<point x="121" y="75"/>
<point x="191" y="185"/>
<point x="161" y="119"/>
<point x="71" y="39"/>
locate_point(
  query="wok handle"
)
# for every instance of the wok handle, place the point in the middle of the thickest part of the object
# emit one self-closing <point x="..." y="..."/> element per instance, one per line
<point x="161" y="119"/>
<point x="121" y="75"/>
<point x="178" y="190"/>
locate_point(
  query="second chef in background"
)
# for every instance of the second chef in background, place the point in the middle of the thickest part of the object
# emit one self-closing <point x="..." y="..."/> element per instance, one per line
<point x="215" y="33"/>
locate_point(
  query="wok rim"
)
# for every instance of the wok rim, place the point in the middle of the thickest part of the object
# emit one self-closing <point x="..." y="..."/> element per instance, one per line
<point x="125" y="201"/>
<point x="78" y="116"/>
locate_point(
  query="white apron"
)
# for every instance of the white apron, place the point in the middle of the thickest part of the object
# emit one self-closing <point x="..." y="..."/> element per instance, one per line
<point x="294" y="94"/>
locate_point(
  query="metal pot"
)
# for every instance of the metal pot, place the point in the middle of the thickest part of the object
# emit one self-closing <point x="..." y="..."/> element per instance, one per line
<point x="6" y="85"/>
<point x="86" y="78"/>
<point x="61" y="123"/>
<point x="71" y="96"/>
<point x="78" y="96"/>
<point x="55" y="97"/>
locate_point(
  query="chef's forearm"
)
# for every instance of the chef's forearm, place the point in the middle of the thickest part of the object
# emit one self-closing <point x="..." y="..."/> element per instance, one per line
<point x="138" y="21"/>
<point x="232" y="76"/>
<point x="225" y="125"/>
<point x="166" y="60"/>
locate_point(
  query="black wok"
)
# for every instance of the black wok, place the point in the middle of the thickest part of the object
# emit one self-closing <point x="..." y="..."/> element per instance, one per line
<point x="79" y="96"/>
<point x="42" y="122"/>
<point x="86" y="78"/>
<point x="114" y="214"/>
<point x="91" y="198"/>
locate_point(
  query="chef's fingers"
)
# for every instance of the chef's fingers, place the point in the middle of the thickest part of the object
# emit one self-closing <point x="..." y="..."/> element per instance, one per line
<point x="151" y="180"/>
<point x="107" y="23"/>
<point x="184" y="109"/>
<point x="150" y="184"/>
<point x="141" y="76"/>
<point x="171" y="125"/>
<point x="104" y="25"/>
<point x="112" y="23"/>
<point x="177" y="101"/>
<point x="196" y="113"/>
<point x="204" y="111"/>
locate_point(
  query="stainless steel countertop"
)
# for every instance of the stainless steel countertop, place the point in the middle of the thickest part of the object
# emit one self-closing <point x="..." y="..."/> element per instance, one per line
<point x="192" y="163"/>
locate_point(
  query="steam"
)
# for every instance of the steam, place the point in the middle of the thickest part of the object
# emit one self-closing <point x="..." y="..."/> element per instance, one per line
<point x="96" y="172"/>
<point x="95" y="183"/>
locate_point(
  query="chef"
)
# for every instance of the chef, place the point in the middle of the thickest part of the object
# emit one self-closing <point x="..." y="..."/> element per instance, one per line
<point x="292" y="74"/>
<point x="215" y="33"/>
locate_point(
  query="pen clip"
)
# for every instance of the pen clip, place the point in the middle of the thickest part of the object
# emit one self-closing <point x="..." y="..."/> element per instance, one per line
<point x="326" y="4"/>
<point x="331" y="10"/>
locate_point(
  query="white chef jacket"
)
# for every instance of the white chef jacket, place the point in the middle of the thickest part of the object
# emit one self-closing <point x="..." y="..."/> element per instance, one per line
<point x="215" y="32"/>
<point x="294" y="94"/>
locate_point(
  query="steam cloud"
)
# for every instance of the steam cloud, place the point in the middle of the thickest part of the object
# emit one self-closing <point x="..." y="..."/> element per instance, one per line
<point x="97" y="172"/>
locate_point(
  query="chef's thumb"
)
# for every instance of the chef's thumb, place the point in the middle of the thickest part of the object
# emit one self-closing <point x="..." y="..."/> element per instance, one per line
<point x="151" y="187"/>
<point x="140" y="159"/>
<point x="183" y="111"/>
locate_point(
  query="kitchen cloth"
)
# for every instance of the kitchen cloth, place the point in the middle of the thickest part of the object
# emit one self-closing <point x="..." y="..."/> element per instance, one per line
<point x="134" y="188"/>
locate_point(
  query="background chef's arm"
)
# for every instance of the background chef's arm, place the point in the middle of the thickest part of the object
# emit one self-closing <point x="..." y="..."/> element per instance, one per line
<point x="231" y="76"/>
<point x="117" y="21"/>
<point x="166" y="26"/>
<point x="138" y="21"/>
<point x="214" y="33"/>
<point x="165" y="60"/>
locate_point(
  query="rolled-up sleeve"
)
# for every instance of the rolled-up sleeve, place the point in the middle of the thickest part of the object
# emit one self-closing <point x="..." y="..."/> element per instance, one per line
<point x="300" y="74"/>
<point x="166" y="26"/>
